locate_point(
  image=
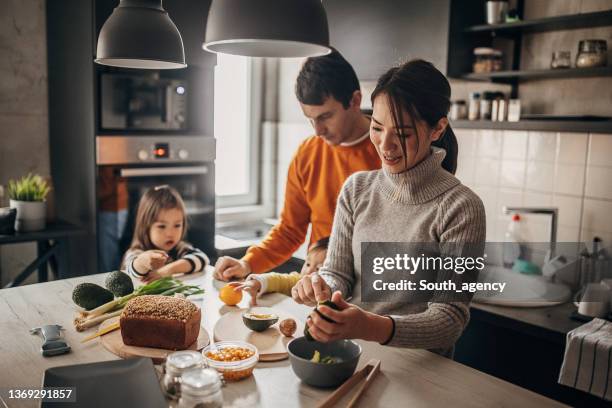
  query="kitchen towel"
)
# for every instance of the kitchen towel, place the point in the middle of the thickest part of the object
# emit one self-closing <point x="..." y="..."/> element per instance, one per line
<point x="587" y="364"/>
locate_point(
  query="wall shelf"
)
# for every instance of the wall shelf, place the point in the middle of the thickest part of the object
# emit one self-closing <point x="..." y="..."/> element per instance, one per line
<point x="506" y="76"/>
<point x="567" y="22"/>
<point x="604" y="126"/>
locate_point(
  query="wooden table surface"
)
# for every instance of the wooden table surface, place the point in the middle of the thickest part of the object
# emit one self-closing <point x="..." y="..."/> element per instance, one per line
<point x="415" y="378"/>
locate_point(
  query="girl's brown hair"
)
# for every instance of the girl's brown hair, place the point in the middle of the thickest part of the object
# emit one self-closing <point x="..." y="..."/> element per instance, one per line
<point x="418" y="88"/>
<point x="151" y="204"/>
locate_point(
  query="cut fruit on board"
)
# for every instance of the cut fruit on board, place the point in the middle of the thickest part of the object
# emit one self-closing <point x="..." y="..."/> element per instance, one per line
<point x="271" y="343"/>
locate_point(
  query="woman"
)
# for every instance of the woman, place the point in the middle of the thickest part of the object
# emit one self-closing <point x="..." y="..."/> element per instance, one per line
<point x="414" y="197"/>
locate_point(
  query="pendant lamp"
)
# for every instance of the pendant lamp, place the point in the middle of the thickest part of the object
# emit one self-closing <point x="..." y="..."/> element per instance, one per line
<point x="267" y="28"/>
<point x="140" y="34"/>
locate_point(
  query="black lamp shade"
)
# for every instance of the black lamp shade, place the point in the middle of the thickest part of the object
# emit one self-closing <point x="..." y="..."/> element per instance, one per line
<point x="140" y="34"/>
<point x="267" y="28"/>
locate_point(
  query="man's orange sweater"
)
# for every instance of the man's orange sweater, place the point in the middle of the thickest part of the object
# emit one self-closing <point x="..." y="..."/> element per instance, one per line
<point x="316" y="175"/>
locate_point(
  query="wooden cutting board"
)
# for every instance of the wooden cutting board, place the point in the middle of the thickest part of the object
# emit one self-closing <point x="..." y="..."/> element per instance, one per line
<point x="114" y="343"/>
<point x="271" y="343"/>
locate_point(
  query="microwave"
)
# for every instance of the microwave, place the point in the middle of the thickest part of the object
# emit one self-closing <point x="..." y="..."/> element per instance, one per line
<point x="142" y="102"/>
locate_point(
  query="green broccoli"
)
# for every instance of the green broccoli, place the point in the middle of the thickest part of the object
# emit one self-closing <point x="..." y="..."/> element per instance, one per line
<point x="89" y="295"/>
<point x="119" y="283"/>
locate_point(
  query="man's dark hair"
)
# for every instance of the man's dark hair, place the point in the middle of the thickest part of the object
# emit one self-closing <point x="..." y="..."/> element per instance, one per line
<point x="329" y="75"/>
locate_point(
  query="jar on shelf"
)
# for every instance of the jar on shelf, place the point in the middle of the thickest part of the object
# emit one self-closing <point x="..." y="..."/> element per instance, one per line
<point x="487" y="60"/>
<point x="201" y="388"/>
<point x="458" y="110"/>
<point x="474" y="106"/>
<point x="176" y="364"/>
<point x="592" y="53"/>
<point x="486" y="104"/>
<point x="561" y="59"/>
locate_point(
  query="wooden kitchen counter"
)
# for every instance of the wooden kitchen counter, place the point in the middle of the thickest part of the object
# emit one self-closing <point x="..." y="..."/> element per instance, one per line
<point x="415" y="378"/>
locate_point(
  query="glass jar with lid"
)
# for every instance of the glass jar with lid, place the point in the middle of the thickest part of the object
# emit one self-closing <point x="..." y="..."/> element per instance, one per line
<point x="561" y="60"/>
<point x="201" y="388"/>
<point x="176" y="364"/>
<point x="458" y="110"/>
<point x="474" y="106"/>
<point x="592" y="53"/>
<point x="487" y="60"/>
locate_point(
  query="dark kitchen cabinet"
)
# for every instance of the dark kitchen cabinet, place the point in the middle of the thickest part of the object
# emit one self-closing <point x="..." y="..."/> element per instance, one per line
<point x="73" y="78"/>
<point x="375" y="35"/>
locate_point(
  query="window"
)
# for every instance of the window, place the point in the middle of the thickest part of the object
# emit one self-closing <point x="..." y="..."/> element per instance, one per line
<point x="236" y="129"/>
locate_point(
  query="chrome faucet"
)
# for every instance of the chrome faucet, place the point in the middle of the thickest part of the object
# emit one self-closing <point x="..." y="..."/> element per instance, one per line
<point x="552" y="211"/>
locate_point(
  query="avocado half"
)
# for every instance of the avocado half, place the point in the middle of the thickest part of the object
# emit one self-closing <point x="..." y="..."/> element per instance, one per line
<point x="327" y="303"/>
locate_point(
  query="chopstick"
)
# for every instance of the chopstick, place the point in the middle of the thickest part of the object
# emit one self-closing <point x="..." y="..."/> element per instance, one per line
<point x="366" y="384"/>
<point x="102" y="332"/>
<point x="365" y="372"/>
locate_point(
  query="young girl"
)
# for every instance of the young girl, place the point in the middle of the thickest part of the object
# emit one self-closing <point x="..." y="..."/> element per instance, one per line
<point x="158" y="249"/>
<point x="258" y="284"/>
<point x="414" y="198"/>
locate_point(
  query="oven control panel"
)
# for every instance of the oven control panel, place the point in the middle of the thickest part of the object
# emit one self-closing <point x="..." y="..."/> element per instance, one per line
<point x="149" y="149"/>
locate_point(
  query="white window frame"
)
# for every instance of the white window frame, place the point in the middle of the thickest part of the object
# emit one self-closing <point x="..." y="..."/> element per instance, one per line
<point x="258" y="203"/>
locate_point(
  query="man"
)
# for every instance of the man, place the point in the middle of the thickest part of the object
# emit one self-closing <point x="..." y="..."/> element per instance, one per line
<point x="328" y="91"/>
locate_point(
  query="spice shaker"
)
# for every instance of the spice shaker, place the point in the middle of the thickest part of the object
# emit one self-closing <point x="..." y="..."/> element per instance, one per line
<point x="201" y="388"/>
<point x="458" y="110"/>
<point x="486" y="104"/>
<point x="474" y="106"/>
<point x="176" y="364"/>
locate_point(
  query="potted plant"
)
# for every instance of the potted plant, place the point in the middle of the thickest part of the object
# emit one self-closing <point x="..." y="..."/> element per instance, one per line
<point x="27" y="196"/>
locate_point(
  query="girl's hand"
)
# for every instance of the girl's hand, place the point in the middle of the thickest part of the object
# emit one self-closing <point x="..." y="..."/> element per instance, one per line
<point x="150" y="260"/>
<point x="351" y="322"/>
<point x="151" y="276"/>
<point x="310" y="290"/>
<point x="157" y="259"/>
<point x="252" y="287"/>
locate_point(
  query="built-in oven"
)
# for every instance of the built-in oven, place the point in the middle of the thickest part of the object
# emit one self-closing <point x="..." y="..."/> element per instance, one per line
<point x="142" y="102"/>
<point x="129" y="165"/>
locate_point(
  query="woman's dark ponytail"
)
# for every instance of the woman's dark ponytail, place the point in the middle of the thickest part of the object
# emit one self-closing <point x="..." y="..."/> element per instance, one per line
<point x="418" y="88"/>
<point x="448" y="142"/>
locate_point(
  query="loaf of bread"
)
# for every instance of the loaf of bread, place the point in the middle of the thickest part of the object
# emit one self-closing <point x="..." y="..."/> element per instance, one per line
<point x="160" y="322"/>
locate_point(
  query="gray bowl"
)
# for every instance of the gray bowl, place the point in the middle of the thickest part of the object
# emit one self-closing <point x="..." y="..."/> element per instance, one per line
<point x="319" y="374"/>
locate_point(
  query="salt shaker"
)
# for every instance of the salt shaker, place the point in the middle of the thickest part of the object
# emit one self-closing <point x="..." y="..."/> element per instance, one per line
<point x="201" y="388"/>
<point x="178" y="363"/>
<point x="474" y="106"/>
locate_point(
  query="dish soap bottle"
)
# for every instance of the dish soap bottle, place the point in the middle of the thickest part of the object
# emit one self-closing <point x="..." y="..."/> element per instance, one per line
<point x="512" y="247"/>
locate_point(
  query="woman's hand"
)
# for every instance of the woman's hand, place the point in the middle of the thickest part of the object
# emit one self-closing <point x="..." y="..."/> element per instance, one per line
<point x="310" y="290"/>
<point x="350" y="322"/>
<point x="252" y="287"/>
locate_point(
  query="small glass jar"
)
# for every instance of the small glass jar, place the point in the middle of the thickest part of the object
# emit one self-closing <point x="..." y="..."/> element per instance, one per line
<point x="201" y="388"/>
<point x="458" y="110"/>
<point x="561" y="59"/>
<point x="474" y="106"/>
<point x="487" y="60"/>
<point x="176" y="364"/>
<point x="486" y="104"/>
<point x="592" y="53"/>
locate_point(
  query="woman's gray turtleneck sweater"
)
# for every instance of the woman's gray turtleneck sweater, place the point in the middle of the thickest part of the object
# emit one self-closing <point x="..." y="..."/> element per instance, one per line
<point x="424" y="204"/>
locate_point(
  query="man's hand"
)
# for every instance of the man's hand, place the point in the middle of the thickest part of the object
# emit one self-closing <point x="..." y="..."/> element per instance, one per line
<point x="310" y="290"/>
<point x="227" y="268"/>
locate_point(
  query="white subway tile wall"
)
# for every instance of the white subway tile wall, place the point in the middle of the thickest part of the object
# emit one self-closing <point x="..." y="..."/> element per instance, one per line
<point x="570" y="171"/>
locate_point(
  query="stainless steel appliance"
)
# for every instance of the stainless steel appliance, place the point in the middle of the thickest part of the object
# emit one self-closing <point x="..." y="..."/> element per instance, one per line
<point x="129" y="165"/>
<point x="143" y="101"/>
